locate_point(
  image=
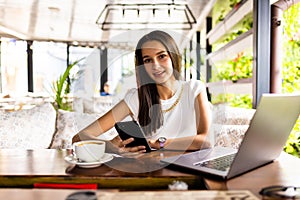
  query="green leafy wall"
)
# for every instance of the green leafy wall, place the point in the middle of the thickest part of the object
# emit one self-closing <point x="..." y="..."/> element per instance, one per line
<point x="291" y="68"/>
<point x="241" y="65"/>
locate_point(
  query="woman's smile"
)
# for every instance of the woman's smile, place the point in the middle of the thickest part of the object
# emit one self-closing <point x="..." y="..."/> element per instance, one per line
<point x="158" y="74"/>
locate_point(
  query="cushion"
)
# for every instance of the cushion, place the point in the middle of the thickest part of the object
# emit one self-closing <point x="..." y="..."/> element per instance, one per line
<point x="29" y="128"/>
<point x="227" y="115"/>
<point x="228" y="135"/>
<point x="99" y="105"/>
<point x="70" y="123"/>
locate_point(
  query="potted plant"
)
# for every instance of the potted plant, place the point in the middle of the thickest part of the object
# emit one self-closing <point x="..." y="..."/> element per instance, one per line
<point x="61" y="88"/>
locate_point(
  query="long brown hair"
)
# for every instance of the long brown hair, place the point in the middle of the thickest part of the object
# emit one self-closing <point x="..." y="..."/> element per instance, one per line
<point x="150" y="114"/>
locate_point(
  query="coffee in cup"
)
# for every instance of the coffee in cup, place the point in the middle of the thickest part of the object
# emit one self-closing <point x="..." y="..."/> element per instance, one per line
<point x="89" y="150"/>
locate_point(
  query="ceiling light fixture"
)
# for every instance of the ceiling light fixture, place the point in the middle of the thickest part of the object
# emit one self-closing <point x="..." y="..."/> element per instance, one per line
<point x="145" y="15"/>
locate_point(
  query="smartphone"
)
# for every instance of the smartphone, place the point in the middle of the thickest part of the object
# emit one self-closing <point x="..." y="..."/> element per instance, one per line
<point x="131" y="129"/>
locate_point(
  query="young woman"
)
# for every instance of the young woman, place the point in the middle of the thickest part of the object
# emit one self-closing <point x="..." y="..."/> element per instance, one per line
<point x="174" y="114"/>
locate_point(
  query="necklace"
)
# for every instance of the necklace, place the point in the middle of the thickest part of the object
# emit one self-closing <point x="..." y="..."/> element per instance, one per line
<point x="176" y="101"/>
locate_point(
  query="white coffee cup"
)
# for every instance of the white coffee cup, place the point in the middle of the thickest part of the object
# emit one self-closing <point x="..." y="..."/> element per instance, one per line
<point x="89" y="150"/>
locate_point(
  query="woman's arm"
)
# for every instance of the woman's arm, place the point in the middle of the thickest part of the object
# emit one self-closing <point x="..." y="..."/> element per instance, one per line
<point x="203" y="122"/>
<point x="103" y="124"/>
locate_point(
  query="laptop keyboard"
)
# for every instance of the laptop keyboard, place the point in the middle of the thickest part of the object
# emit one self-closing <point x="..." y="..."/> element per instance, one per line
<point x="222" y="163"/>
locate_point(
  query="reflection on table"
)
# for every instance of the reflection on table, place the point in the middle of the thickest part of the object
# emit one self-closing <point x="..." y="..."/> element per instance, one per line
<point x="23" y="168"/>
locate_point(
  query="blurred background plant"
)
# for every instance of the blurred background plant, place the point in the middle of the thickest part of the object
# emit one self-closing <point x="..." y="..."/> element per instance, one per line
<point x="291" y="68"/>
<point x="61" y="88"/>
<point x="241" y="66"/>
<point x="238" y="68"/>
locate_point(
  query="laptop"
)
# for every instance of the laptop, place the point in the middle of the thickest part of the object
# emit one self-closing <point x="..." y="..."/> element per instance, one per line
<point x="263" y="141"/>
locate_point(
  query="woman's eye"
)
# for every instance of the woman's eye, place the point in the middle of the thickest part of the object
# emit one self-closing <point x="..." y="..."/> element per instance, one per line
<point x="162" y="56"/>
<point x="147" y="60"/>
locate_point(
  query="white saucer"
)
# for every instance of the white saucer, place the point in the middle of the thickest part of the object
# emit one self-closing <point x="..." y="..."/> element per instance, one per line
<point x="71" y="159"/>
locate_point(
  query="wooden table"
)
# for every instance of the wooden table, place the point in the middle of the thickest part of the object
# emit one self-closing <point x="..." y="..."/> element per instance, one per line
<point x="23" y="168"/>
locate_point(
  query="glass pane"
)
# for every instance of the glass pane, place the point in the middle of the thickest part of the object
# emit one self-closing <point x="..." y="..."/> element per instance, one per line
<point x="14" y="67"/>
<point x="49" y="62"/>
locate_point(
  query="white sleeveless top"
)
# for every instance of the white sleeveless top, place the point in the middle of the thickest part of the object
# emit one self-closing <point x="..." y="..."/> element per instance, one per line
<point x="181" y="120"/>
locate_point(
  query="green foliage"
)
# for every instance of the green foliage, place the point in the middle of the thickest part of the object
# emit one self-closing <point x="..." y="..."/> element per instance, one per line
<point x="241" y="67"/>
<point x="233" y="70"/>
<point x="291" y="59"/>
<point x="238" y="68"/>
<point x="245" y="25"/>
<point x="291" y="68"/>
<point x="222" y="8"/>
<point x="219" y="12"/>
<point x="242" y="101"/>
<point x="61" y="88"/>
<point x="293" y="144"/>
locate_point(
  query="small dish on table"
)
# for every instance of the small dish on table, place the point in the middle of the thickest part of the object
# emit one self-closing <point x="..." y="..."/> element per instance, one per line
<point x="71" y="159"/>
